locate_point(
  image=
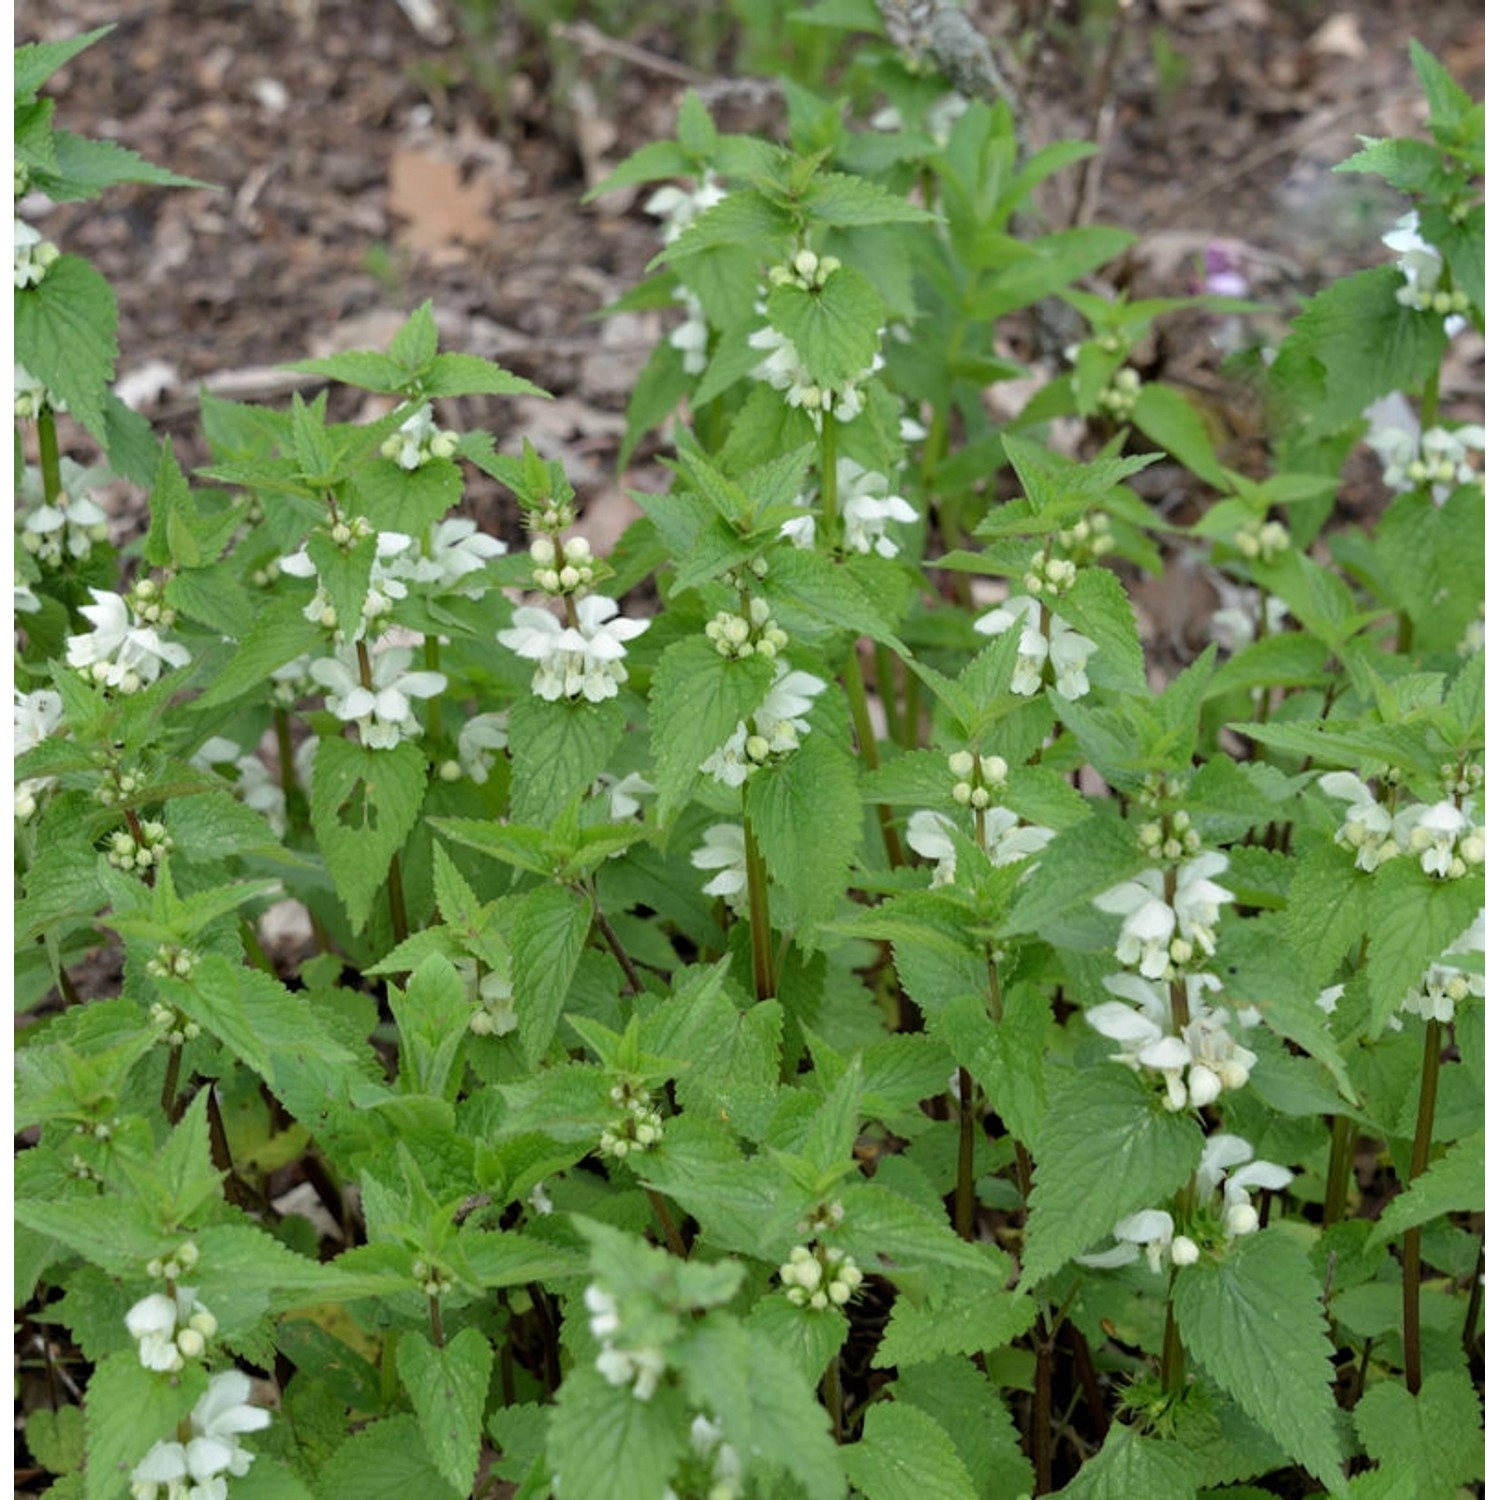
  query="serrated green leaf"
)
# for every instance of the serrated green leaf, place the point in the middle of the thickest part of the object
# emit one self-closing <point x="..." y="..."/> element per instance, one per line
<point x="55" y="1438"/>
<point x="1415" y="167"/>
<point x="1438" y="1430"/>
<point x="1076" y="866"/>
<point x="904" y="1452"/>
<point x="557" y="751"/>
<point x="603" y="1442"/>
<point x="1254" y="1322"/>
<point x="1171" y="420"/>
<point x="363" y="368"/>
<point x="807" y="818"/>
<point x="836" y="327"/>
<point x="697" y="699"/>
<point x="961" y="1314"/>
<point x="551" y="927"/>
<point x="1005" y="1060"/>
<point x="127" y="1409"/>
<point x="1452" y="1184"/>
<point x="1106" y="1150"/>
<point x="36" y="62"/>
<point x="811" y="1336"/>
<point x="1413" y="920"/>
<point x="1130" y="1466"/>
<point x="279" y="634"/>
<point x="432" y="1019"/>
<point x="448" y="1387"/>
<point x="1098" y="607"/>
<point x="845" y="200"/>
<point x="1327" y="907"/>
<point x="364" y="803"/>
<point x="471" y="375"/>
<point x="65" y="337"/>
<point x="811" y="593"/>
<point x="386" y="1460"/>
<point x="960" y="1398"/>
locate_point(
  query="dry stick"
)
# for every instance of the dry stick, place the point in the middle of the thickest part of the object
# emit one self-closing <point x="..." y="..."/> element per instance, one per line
<point x="589" y="38"/>
<point x="632" y="976"/>
<point x="1103" y="105"/>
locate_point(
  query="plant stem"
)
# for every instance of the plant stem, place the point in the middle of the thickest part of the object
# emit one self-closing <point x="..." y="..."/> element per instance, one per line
<point x="829" y="481"/>
<point x="1340" y="1160"/>
<point x="397" y="896"/>
<point x="1476" y="1296"/>
<point x="169" y="1085"/>
<point x="612" y="941"/>
<point x="963" y="1196"/>
<point x="761" y="962"/>
<point x="46" y="433"/>
<point x="1173" y="1355"/>
<point x="1041" y="1410"/>
<point x="286" y="762"/>
<point x="430" y="660"/>
<point x="833" y="1398"/>
<point x="864" y="731"/>
<point x="1411" y="1244"/>
<point x="670" y="1232"/>
<point x="435" y="1321"/>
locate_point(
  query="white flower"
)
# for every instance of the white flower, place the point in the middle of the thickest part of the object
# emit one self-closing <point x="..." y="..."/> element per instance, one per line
<point x="119" y="652"/>
<point x="478" y="741"/>
<point x="1245" y="615"/>
<point x="625" y="794"/>
<point x="417" y="440"/>
<point x="1445" y="985"/>
<point x="1366" y="828"/>
<point x="33" y="255"/>
<point x="257" y="788"/>
<point x="644" y="1366"/>
<point x="23" y="597"/>
<point x="1067" y="650"/>
<point x="723" y="849"/>
<point x="456" y="547"/>
<point x="1197" y="899"/>
<point x="166" y="1328"/>
<point x="36" y="716"/>
<point x="730" y="763"/>
<point x="1439" y="457"/>
<point x="1221" y="1152"/>
<point x="783" y="370"/>
<point x="867" y="507"/>
<point x="70" y="522"/>
<point x="222" y="1413"/>
<point x="384" y="589"/>
<point x="1422" y="265"/>
<point x="678" y="207"/>
<point x="1150" y="1230"/>
<point x="1145" y="938"/>
<point x="691" y="336"/>
<point x="779" y="717"/>
<point x="930" y="834"/>
<point x="586" y="660"/>
<point x="383" y="710"/>
<point x="1442" y="835"/>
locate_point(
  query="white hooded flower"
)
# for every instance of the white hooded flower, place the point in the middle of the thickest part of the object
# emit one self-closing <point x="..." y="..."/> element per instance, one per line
<point x="120" y="652"/>
<point x="723" y="849"/>
<point x="1067" y="650"/>
<point x="1438" y="457"/>
<point x="1150" y="924"/>
<point x="1366" y="828"/>
<point x="690" y="337"/>
<point x="867" y="506"/>
<point x="479" y="741"/>
<point x="1445" y="985"/>
<point x="456" y="547"/>
<point x="70" y="522"/>
<point x="383" y="710"/>
<point x="196" y="1470"/>
<point x="779" y="718"/>
<point x="1220" y="1153"/>
<point x="167" y="1328"/>
<point x="1006" y="840"/>
<point x="586" y="660"/>
<point x="1151" y="1230"/>
<point x="1422" y="266"/>
<point x="678" y="207"/>
<point x="1443" y="837"/>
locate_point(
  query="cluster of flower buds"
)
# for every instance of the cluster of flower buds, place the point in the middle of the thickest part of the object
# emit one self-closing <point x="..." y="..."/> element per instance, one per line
<point x="979" y="778"/>
<point x="264" y="577"/>
<point x="494" y="1005"/>
<point x="741" y="636"/>
<point x="638" y="1129"/>
<point x="1262" y="543"/>
<point x="1053" y="576"/>
<point x="171" y="1327"/>
<point x="1460" y="778"/>
<point x="418" y="440"/>
<point x="435" y="1281"/>
<point x="562" y="567"/>
<point x="824" y="1217"/>
<point x="175" y="1028"/>
<point x="1087" y="539"/>
<point x="149" y="603"/>
<point x="1158" y="789"/>
<point x="1169" y="837"/>
<point x="34" y="255"/>
<point x="347" y="535"/>
<point x="818" y="1277"/>
<point x="172" y="962"/>
<point x="125" y="853"/>
<point x="1118" y="398"/>
<point x="807" y="270"/>
<point x="117" y="786"/>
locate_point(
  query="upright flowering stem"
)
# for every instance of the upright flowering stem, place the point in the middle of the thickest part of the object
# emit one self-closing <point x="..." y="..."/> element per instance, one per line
<point x="46" y="433"/>
<point x="1411" y="1244"/>
<point x="430" y="660"/>
<point x="286" y="761"/>
<point x="762" y="962"/>
<point x="864" y="730"/>
<point x="828" y="482"/>
<point x="393" y="887"/>
<point x="670" y="1232"/>
<point x="435" y="1321"/>
<point x="1340" y="1163"/>
<point x="963" y="1196"/>
<point x="833" y="1398"/>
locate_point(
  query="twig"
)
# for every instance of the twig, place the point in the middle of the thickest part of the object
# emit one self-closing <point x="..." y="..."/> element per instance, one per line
<point x="590" y="39"/>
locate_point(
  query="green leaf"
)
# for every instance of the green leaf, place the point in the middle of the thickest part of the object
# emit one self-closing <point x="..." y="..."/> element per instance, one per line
<point x="836" y="327"/>
<point x="752" y="1385"/>
<point x="126" y="1410"/>
<point x="364" y="803"/>
<point x="1254" y="1322"/>
<point x="811" y="594"/>
<point x="811" y="1336"/>
<point x="1171" y="420"/>
<point x="961" y="1314"/>
<point x="1097" y="606"/>
<point x="36" y="62"/>
<point x="448" y="1387"/>
<point x="839" y="198"/>
<point x="1076" y="866"/>
<point x="961" y="1399"/>
<point x="903" y="1452"/>
<point x="1413" y="920"/>
<point x="1005" y="1060"/>
<point x="1453" y="1184"/>
<point x="697" y="699"/>
<point x="388" y="1460"/>
<point x="1327" y="909"/>
<point x="557" y="751"/>
<point x="1450" y="106"/>
<point x="470" y="375"/>
<point x="83" y="169"/>
<point x="55" y="1438"/>
<point x="1106" y="1150"/>
<point x="807" y="818"/>
<point x="1438" y="1430"/>
<point x="279" y="634"/>
<point x="65" y="337"/>
<point x="1130" y="1466"/>
<point x="1415" y="167"/>
<point x="551" y="927"/>
<point x="603" y="1442"/>
<point x="432" y="1019"/>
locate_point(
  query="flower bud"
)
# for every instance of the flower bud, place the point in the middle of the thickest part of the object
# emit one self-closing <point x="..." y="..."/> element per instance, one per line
<point x="542" y="551"/>
<point x="1185" y="1251"/>
<point x="1240" y="1219"/>
<point x="961" y="763"/>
